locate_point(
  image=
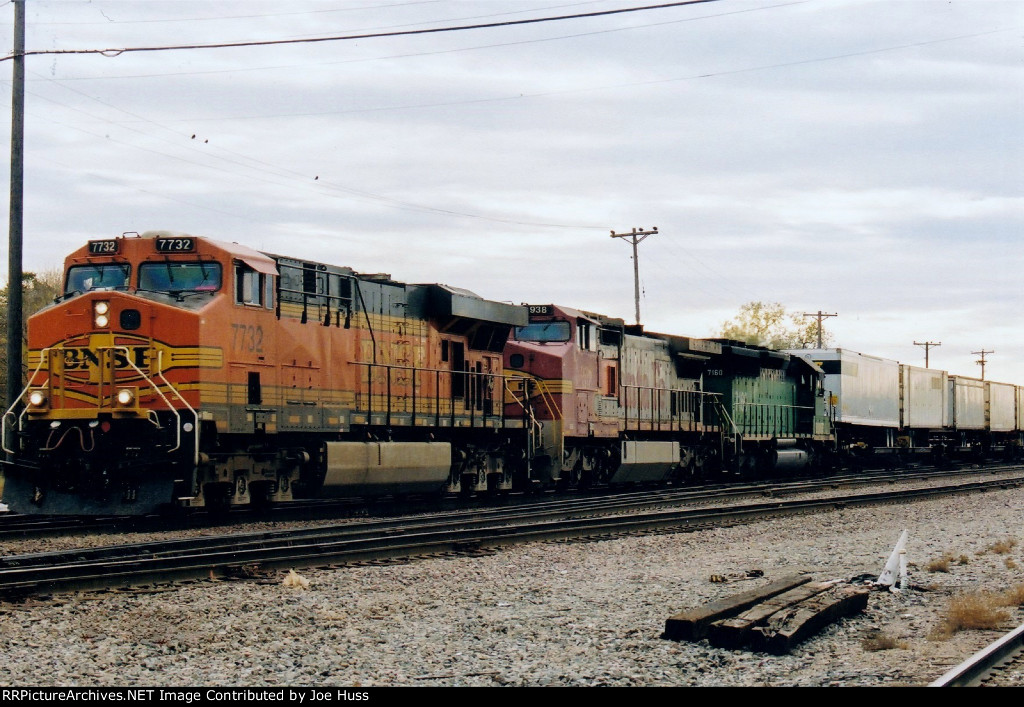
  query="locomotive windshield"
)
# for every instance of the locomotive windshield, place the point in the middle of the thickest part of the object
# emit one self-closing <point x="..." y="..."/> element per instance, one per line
<point x="82" y="278"/>
<point x="544" y="331"/>
<point x="179" y="277"/>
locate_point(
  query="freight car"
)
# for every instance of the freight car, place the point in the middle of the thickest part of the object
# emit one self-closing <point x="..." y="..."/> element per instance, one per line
<point x="177" y="370"/>
<point x="885" y="411"/>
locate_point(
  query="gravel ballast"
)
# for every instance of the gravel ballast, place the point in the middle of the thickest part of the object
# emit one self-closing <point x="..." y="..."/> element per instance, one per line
<point x="574" y="614"/>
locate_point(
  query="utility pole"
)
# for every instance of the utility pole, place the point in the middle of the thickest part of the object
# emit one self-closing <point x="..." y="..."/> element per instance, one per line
<point x="14" y="315"/>
<point x="635" y="236"/>
<point x="819" y="316"/>
<point x="927" y="345"/>
<point x="981" y="361"/>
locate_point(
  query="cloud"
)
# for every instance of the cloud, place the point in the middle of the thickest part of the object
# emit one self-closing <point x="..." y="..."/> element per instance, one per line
<point x="855" y="156"/>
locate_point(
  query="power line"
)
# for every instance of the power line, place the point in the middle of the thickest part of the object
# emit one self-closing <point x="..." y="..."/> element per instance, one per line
<point x="819" y="315"/>
<point x="369" y="35"/>
<point x="564" y="92"/>
<point x="436" y="52"/>
<point x="927" y="345"/>
<point x="981" y="361"/>
<point x="635" y="237"/>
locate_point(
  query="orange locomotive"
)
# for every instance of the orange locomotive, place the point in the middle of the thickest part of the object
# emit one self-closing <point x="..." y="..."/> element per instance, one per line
<point x="177" y="370"/>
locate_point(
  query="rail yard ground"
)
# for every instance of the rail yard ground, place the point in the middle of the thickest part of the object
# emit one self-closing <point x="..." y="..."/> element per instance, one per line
<point x="576" y="614"/>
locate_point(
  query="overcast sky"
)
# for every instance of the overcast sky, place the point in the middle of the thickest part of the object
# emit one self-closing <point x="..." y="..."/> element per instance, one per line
<point x="856" y="157"/>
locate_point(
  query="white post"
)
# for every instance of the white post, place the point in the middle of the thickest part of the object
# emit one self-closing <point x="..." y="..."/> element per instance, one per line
<point x="892" y="566"/>
<point x="903" y="570"/>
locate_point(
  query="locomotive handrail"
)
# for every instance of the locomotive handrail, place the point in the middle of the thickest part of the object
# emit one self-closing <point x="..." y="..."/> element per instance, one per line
<point x="160" y="373"/>
<point x="549" y="399"/>
<point x="366" y="316"/>
<point x="723" y="413"/>
<point x="293" y="291"/>
<point x="306" y="295"/>
<point x="177" y="426"/>
<point x="512" y="393"/>
<point x="473" y="398"/>
<point x="770" y="417"/>
<point x="675" y="419"/>
<point x="535" y="427"/>
<point x="44" y="355"/>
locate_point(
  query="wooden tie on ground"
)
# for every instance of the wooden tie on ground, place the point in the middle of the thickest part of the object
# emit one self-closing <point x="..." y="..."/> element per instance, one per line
<point x="692" y="625"/>
<point x="773" y="618"/>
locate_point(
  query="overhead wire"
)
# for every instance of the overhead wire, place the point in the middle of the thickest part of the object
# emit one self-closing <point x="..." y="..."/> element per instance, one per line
<point x="112" y="52"/>
<point x="388" y="200"/>
<point x="420" y="207"/>
<point x="604" y="87"/>
<point x="453" y="50"/>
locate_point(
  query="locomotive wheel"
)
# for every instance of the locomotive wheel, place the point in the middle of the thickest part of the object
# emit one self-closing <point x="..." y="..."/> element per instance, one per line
<point x="467" y="485"/>
<point x="494" y="487"/>
<point x="218" y="497"/>
<point x="259" y="494"/>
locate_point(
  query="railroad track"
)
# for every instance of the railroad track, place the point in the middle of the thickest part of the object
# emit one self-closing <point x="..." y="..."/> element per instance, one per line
<point x="1001" y="664"/>
<point x="14" y="526"/>
<point x="371" y="540"/>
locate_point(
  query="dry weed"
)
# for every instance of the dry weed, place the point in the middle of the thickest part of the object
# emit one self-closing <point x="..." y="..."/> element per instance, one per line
<point x="1001" y="547"/>
<point x="1014" y="596"/>
<point x="882" y="642"/>
<point x="940" y="565"/>
<point x="973" y="611"/>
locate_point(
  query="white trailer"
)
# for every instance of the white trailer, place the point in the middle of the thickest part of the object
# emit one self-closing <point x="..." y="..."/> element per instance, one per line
<point x="924" y="398"/>
<point x="966" y="403"/>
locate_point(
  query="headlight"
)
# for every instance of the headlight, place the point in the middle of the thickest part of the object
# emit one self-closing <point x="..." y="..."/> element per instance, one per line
<point x="125" y="397"/>
<point x="37" y="398"/>
<point x="101" y="314"/>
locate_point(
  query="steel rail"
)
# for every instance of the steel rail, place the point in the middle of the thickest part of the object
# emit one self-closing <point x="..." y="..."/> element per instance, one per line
<point x="15" y="526"/>
<point x="208" y="557"/>
<point x="976" y="669"/>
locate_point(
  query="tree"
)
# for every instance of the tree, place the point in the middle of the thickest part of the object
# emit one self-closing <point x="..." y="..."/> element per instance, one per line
<point x="38" y="290"/>
<point x="770" y="324"/>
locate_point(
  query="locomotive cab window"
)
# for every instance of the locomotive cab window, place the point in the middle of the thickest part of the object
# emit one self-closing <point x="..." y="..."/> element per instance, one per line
<point x="251" y="287"/>
<point x="178" y="277"/>
<point x="544" y="331"/>
<point x="585" y="336"/>
<point x="82" y="278"/>
<point x="610" y="337"/>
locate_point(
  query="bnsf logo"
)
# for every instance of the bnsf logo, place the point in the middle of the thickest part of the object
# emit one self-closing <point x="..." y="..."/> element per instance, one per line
<point x="87" y="360"/>
<point x="81" y="359"/>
